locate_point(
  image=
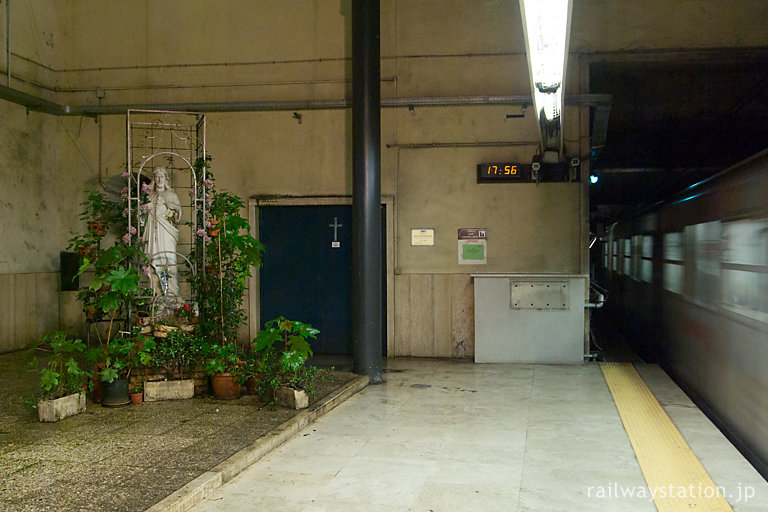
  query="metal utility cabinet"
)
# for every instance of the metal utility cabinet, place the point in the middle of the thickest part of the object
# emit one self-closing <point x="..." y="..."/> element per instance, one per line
<point x="529" y="318"/>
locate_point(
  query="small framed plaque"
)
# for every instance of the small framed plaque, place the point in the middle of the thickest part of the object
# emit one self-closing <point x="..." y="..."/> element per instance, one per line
<point x="423" y="236"/>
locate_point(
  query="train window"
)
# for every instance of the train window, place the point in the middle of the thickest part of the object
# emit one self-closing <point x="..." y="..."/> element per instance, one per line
<point x="704" y="240"/>
<point x="627" y="251"/>
<point x="673" y="277"/>
<point x="637" y="242"/>
<point x="673" y="247"/>
<point x="745" y="268"/>
<point x="647" y="246"/>
<point x="615" y="259"/>
<point x="646" y="261"/>
<point x="605" y="255"/>
<point x="673" y="272"/>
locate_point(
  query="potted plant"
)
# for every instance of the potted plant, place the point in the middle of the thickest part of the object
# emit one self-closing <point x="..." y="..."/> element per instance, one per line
<point x="113" y="291"/>
<point x="250" y="372"/>
<point x="283" y="348"/>
<point x="175" y="355"/>
<point x="85" y="245"/>
<point x="62" y="381"/>
<point x="223" y="364"/>
<point x="118" y="357"/>
<point x="98" y="212"/>
<point x="136" y="392"/>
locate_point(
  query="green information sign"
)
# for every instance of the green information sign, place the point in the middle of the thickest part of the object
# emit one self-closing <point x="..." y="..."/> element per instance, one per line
<point x="473" y="252"/>
<point x="472" y="244"/>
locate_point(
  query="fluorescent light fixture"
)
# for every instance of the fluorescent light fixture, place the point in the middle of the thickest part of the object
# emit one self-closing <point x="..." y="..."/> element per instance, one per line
<point x="594" y="179"/>
<point x="547" y="26"/>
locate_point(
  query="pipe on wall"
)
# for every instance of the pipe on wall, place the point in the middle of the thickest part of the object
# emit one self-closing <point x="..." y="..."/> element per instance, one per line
<point x="438" y="145"/>
<point x="38" y="104"/>
<point x="8" y="39"/>
<point x="601" y="103"/>
<point x="228" y="64"/>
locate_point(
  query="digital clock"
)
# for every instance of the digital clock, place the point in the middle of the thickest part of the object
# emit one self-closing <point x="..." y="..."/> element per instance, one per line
<point x="496" y="172"/>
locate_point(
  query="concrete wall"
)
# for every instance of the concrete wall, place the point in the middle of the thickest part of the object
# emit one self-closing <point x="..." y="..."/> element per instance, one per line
<point x="44" y="169"/>
<point x="145" y="52"/>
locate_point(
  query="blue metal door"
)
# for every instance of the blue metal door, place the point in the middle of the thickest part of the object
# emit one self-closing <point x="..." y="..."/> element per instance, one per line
<point x="307" y="270"/>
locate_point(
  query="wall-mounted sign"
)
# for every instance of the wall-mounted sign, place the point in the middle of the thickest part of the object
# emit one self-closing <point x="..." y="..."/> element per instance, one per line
<point x="503" y="172"/>
<point x="472" y="246"/>
<point x="423" y="236"/>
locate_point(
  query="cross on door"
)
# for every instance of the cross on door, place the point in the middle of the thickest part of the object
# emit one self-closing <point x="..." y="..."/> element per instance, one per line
<point x="335" y="227"/>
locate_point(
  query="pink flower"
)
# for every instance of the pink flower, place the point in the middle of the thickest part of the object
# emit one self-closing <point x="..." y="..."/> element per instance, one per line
<point x="209" y="200"/>
<point x="206" y="239"/>
<point x="132" y="230"/>
<point x="125" y="212"/>
<point x="208" y="224"/>
<point x="125" y="190"/>
<point x="146" y="188"/>
<point x="145" y="269"/>
<point x="200" y="232"/>
<point x="208" y="183"/>
<point x="191" y="192"/>
<point x="144" y="207"/>
<point x="127" y="238"/>
<point x="125" y="174"/>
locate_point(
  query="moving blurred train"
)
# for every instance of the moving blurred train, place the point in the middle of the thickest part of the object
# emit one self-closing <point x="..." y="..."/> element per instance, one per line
<point x="687" y="288"/>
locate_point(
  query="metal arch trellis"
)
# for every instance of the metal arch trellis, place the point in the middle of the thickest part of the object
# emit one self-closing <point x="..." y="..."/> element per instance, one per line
<point x="150" y="135"/>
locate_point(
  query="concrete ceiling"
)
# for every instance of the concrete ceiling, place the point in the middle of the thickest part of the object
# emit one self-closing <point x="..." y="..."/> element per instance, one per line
<point x="675" y="120"/>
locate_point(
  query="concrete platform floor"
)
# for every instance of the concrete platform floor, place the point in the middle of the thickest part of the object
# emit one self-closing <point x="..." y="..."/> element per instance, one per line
<point x="454" y="436"/>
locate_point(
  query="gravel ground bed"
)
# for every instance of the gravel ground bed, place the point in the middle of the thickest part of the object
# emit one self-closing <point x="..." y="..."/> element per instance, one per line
<point x="119" y="459"/>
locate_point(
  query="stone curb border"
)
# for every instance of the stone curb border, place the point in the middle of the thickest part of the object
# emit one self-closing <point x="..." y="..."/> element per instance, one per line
<point x="195" y="491"/>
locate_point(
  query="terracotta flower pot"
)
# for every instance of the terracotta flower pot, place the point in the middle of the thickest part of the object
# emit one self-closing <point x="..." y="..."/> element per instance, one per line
<point x="98" y="227"/>
<point x="224" y="386"/>
<point x="252" y="383"/>
<point x="97" y="391"/>
<point x="87" y="252"/>
<point x="137" y="398"/>
<point x="214" y="229"/>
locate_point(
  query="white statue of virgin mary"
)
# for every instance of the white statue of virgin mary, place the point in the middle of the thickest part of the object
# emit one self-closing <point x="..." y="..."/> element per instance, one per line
<point x="161" y="235"/>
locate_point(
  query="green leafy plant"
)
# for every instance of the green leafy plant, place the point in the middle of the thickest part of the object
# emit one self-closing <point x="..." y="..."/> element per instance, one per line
<point x="123" y="353"/>
<point x="178" y="353"/>
<point x="224" y="260"/>
<point x="113" y="289"/>
<point x="84" y="244"/>
<point x="98" y="207"/>
<point x="62" y="374"/>
<point x="282" y="349"/>
<point x="293" y="335"/>
<point x="249" y="367"/>
<point x="224" y="358"/>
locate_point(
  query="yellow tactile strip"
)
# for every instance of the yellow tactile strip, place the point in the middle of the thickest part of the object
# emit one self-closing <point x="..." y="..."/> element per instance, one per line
<point x="674" y="475"/>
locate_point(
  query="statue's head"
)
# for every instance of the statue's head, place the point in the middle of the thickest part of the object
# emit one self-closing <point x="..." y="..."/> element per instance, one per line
<point x="159" y="178"/>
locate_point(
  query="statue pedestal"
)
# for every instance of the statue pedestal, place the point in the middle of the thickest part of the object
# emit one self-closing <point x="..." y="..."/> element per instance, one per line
<point x="166" y="306"/>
